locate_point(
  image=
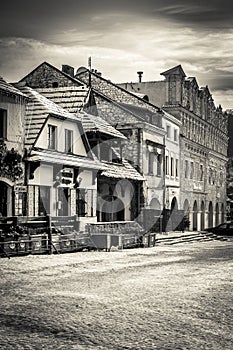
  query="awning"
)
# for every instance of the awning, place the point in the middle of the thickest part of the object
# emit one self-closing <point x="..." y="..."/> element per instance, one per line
<point x="122" y="171"/>
<point x="64" y="159"/>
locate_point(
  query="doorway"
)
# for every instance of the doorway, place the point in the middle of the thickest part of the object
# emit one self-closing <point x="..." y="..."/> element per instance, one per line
<point x="195" y="216"/>
<point x="5" y="199"/>
<point x="63" y="201"/>
<point x="112" y="209"/>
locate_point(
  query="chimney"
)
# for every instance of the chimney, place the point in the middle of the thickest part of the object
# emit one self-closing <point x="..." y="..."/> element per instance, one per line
<point x="140" y="76"/>
<point x="68" y="70"/>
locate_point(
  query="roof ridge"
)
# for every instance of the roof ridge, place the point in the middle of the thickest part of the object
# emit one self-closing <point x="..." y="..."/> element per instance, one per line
<point x="120" y="88"/>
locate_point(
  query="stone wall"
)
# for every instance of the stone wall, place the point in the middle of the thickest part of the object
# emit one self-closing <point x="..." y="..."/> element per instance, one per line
<point x="46" y="76"/>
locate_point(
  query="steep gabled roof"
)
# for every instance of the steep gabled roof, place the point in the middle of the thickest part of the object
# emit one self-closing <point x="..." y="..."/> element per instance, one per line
<point x="193" y="81"/>
<point x="73" y="79"/>
<point x="37" y="111"/>
<point x="9" y="88"/>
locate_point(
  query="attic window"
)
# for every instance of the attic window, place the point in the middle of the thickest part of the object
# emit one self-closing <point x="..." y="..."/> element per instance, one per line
<point x="55" y="84"/>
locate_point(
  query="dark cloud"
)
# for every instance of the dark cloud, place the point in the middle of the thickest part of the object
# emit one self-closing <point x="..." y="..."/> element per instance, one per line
<point x="36" y="18"/>
<point x="152" y="35"/>
<point x="206" y="14"/>
<point x="221" y="82"/>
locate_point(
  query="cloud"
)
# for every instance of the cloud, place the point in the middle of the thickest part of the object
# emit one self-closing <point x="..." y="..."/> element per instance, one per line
<point x="120" y="41"/>
<point x="202" y="16"/>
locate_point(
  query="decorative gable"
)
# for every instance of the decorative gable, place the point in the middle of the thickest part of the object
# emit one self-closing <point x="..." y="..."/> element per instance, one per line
<point x="48" y="76"/>
<point x="175" y="71"/>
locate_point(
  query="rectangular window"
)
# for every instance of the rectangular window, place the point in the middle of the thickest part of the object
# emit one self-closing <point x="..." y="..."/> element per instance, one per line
<point x="159" y="165"/>
<point x="186" y="169"/>
<point x="172" y="166"/>
<point x="168" y="131"/>
<point x="20" y="199"/>
<point x="167" y="165"/>
<point x="151" y="163"/>
<point x="52" y="136"/>
<point x="3" y="124"/>
<point x="68" y="141"/>
<point x="191" y="170"/>
<point x="175" y="135"/>
<point x="201" y="172"/>
<point x="177" y="167"/>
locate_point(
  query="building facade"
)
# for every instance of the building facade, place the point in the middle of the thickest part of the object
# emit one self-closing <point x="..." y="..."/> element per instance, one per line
<point x="203" y="143"/>
<point x="12" y="171"/>
<point x="149" y="148"/>
<point x="116" y="181"/>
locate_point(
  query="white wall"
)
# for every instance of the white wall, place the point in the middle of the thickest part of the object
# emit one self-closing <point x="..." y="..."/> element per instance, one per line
<point x="78" y="146"/>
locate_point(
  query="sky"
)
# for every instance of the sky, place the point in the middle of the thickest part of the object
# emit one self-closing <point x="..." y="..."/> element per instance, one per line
<point x="122" y="37"/>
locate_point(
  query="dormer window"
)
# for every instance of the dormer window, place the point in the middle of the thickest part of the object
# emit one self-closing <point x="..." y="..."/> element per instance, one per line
<point x="55" y="84"/>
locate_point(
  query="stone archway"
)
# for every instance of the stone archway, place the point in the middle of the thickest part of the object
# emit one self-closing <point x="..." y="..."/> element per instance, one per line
<point x="186" y="219"/>
<point x="217" y="214"/>
<point x="202" y="215"/>
<point x="186" y="207"/>
<point x="155" y="204"/>
<point x="174" y="204"/>
<point x="175" y="217"/>
<point x="195" y="209"/>
<point x="222" y="213"/>
<point x="210" y="214"/>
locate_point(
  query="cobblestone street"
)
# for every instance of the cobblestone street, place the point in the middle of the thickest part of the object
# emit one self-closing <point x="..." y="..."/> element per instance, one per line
<point x="166" y="297"/>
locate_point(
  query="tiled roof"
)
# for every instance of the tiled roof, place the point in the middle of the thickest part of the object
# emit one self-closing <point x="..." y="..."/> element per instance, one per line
<point x="122" y="170"/>
<point x="71" y="98"/>
<point x="94" y="123"/>
<point x="8" y="88"/>
<point x="37" y="110"/>
<point x="141" y="112"/>
<point x="113" y="91"/>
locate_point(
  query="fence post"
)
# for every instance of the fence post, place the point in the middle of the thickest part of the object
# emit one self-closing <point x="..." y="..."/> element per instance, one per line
<point x="49" y="234"/>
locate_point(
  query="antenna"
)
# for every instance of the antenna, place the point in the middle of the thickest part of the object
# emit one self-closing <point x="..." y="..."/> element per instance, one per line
<point x="89" y="68"/>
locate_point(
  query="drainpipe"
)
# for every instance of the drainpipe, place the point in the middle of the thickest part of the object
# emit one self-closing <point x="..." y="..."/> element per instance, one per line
<point x="164" y="183"/>
<point x="139" y="157"/>
<point x="139" y="153"/>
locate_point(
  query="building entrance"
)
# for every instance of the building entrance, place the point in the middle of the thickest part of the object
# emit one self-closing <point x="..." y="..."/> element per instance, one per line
<point x="4" y="199"/>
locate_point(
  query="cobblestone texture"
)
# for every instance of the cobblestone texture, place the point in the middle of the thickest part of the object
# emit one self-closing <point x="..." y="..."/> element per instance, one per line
<point x="176" y="297"/>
